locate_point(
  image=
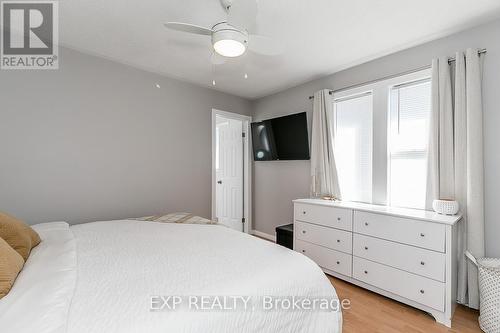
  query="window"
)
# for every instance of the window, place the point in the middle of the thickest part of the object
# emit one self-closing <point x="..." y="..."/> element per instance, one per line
<point x="380" y="133"/>
<point x="352" y="137"/>
<point x="410" y="106"/>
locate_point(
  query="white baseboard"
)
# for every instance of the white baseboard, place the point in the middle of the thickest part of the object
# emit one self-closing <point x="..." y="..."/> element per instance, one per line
<point x="264" y="235"/>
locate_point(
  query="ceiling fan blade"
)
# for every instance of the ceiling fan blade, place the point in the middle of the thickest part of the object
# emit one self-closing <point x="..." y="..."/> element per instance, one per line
<point x="217" y="59"/>
<point x="190" y="28"/>
<point x="265" y="45"/>
<point x="243" y="14"/>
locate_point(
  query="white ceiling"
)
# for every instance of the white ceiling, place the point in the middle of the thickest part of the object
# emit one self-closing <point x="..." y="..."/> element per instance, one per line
<point x="320" y="36"/>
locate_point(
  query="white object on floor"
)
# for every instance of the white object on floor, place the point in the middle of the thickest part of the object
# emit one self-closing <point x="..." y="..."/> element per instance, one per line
<point x="404" y="254"/>
<point x="445" y="207"/>
<point x="489" y="292"/>
<point x="122" y="264"/>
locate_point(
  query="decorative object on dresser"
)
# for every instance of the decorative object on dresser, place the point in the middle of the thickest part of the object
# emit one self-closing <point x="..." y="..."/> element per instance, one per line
<point x="405" y="254"/>
<point x="284" y="235"/>
<point x="445" y="206"/>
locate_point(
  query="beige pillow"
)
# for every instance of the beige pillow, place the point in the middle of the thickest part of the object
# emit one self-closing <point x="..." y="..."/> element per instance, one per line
<point x="18" y="235"/>
<point x="11" y="264"/>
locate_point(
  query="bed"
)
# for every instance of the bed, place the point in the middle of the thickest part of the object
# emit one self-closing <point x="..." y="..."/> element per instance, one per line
<point x="110" y="276"/>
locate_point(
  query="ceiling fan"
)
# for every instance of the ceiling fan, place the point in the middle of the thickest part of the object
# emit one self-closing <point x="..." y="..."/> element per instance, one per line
<point x="232" y="38"/>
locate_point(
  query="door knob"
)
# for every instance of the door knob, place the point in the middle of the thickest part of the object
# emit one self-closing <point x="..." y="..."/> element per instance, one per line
<point x="219" y="182"/>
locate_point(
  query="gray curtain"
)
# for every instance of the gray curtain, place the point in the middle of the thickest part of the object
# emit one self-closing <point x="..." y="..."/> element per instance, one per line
<point x="324" y="178"/>
<point x="456" y="167"/>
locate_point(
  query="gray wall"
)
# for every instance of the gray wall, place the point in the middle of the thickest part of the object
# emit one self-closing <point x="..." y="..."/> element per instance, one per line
<point x="97" y="140"/>
<point x="111" y="145"/>
<point x="277" y="183"/>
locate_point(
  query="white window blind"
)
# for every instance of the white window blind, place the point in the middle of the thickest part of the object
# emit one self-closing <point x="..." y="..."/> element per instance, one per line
<point x="353" y="146"/>
<point x="410" y="106"/>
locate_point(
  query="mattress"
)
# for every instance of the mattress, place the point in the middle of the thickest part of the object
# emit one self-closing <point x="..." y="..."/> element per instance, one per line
<point x="124" y="276"/>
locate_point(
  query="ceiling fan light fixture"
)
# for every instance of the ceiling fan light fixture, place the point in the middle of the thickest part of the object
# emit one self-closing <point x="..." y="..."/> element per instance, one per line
<point x="229" y="48"/>
<point x="229" y="43"/>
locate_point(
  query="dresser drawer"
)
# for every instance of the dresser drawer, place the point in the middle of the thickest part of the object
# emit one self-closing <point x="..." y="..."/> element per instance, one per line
<point x="423" y="262"/>
<point x="326" y="258"/>
<point x="427" y="235"/>
<point x="416" y="288"/>
<point x="328" y="216"/>
<point x="335" y="239"/>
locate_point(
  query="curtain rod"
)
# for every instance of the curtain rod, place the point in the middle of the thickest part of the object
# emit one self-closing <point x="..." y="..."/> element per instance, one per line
<point x="450" y="60"/>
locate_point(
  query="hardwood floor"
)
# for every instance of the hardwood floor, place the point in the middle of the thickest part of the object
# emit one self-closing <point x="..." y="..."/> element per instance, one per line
<point x="372" y="313"/>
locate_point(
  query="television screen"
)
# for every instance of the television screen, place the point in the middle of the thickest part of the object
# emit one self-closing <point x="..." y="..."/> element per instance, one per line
<point x="283" y="138"/>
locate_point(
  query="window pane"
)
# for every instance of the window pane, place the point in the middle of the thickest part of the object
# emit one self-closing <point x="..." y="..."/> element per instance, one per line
<point x="353" y="147"/>
<point x="408" y="141"/>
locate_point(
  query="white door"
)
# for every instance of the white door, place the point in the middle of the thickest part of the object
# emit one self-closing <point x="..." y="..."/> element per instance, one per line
<point x="229" y="172"/>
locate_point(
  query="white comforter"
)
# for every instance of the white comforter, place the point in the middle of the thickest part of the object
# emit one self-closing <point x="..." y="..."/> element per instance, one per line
<point x="120" y="265"/>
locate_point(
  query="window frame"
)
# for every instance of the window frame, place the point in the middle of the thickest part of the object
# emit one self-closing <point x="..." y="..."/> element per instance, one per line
<point x="381" y="99"/>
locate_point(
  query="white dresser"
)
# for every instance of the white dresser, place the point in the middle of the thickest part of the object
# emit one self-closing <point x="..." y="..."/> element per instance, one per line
<point x="405" y="254"/>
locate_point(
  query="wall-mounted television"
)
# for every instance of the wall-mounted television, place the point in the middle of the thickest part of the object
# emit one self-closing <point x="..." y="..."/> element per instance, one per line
<point x="283" y="138"/>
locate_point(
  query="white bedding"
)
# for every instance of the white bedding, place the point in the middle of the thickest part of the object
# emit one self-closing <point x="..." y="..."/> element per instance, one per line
<point x="40" y="299"/>
<point x="122" y="264"/>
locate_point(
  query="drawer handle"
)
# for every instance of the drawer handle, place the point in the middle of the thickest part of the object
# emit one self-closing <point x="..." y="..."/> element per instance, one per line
<point x="366" y="247"/>
<point x="303" y="231"/>
<point x="338" y="262"/>
<point x="366" y="272"/>
<point x="422" y="263"/>
<point x="303" y="212"/>
<point x="422" y="291"/>
<point x="338" y="240"/>
<point x="422" y="234"/>
<point x="338" y="218"/>
<point x="366" y="223"/>
<point x="303" y="251"/>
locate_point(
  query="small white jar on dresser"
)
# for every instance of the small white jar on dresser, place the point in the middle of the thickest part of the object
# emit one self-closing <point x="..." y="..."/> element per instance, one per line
<point x="405" y="254"/>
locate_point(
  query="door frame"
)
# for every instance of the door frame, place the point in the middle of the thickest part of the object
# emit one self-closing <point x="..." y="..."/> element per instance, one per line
<point x="247" y="166"/>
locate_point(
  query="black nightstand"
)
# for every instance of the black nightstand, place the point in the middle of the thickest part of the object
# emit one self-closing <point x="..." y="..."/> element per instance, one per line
<point x="284" y="235"/>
